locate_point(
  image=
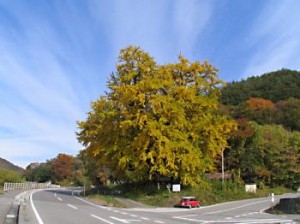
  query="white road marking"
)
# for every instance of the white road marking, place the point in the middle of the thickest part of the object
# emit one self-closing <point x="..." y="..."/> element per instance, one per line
<point x="72" y="206"/>
<point x="133" y="215"/>
<point x="188" y="219"/>
<point x="234" y="208"/>
<point x="159" y="221"/>
<point x="161" y="210"/>
<point x="59" y="198"/>
<point x="90" y="203"/>
<point x="10" y="216"/>
<point x="120" y="220"/>
<point x="258" y="221"/>
<point x="104" y="220"/>
<point x="144" y="218"/>
<point x="124" y="213"/>
<point x="244" y="221"/>
<point x="40" y="221"/>
<point x="241" y="215"/>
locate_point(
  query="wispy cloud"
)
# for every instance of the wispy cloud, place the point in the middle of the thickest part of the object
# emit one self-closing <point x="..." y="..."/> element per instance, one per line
<point x="190" y="19"/>
<point x="163" y="28"/>
<point x="53" y="56"/>
<point x="56" y="57"/>
<point x="39" y="103"/>
<point x="275" y="38"/>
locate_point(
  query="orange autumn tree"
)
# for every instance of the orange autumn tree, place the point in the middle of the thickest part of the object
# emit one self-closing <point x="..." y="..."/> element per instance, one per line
<point x="260" y="104"/>
<point x="63" y="167"/>
<point x="258" y="109"/>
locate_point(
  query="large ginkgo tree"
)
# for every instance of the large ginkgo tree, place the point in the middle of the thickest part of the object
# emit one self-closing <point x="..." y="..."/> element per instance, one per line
<point x="157" y="121"/>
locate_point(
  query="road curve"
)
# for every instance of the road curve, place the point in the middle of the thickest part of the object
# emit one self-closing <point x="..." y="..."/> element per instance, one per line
<point x="51" y="207"/>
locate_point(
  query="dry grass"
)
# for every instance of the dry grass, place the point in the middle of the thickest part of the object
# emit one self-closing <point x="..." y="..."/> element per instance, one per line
<point x="105" y="200"/>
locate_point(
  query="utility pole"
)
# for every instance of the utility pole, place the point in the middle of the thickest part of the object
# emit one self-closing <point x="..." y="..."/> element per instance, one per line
<point x="223" y="176"/>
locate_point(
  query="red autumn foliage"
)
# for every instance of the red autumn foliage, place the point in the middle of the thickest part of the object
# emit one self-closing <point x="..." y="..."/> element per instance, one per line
<point x="260" y="104"/>
<point x="63" y="166"/>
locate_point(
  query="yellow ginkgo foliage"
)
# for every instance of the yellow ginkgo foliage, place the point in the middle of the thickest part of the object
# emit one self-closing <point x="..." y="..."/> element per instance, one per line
<point x="157" y="121"/>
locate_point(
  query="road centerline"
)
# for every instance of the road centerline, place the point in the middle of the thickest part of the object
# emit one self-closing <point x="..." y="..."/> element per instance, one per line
<point x="120" y="220"/>
<point x="72" y="206"/>
<point x="104" y="220"/>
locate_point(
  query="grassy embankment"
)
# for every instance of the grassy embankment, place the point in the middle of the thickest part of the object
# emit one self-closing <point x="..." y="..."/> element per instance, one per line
<point x="9" y="176"/>
<point x="149" y="194"/>
<point x="106" y="200"/>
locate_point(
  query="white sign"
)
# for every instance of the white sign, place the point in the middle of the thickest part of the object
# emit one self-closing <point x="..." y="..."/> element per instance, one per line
<point x="250" y="188"/>
<point x="176" y="187"/>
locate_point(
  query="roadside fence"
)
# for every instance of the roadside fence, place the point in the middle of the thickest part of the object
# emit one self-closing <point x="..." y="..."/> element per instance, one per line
<point x="27" y="186"/>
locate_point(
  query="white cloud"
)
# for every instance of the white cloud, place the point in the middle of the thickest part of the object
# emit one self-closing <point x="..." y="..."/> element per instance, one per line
<point x="163" y="28"/>
<point x="39" y="104"/>
<point x="275" y="39"/>
<point x="190" y="19"/>
<point x="56" y="58"/>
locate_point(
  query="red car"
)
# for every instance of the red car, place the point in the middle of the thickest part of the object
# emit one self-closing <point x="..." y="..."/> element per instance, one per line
<point x="189" y="202"/>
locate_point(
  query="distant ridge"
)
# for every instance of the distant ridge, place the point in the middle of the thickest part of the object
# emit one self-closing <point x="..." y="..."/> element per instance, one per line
<point x="6" y="165"/>
<point x="275" y="86"/>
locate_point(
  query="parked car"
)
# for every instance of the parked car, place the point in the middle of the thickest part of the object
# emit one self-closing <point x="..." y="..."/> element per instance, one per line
<point x="189" y="202"/>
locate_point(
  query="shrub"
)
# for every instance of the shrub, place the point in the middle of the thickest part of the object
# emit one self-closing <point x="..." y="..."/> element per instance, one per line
<point x="10" y="176"/>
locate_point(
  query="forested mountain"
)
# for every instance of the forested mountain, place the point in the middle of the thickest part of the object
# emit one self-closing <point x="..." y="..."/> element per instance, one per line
<point x="6" y="165"/>
<point x="272" y="98"/>
<point x="267" y="111"/>
<point x="275" y="86"/>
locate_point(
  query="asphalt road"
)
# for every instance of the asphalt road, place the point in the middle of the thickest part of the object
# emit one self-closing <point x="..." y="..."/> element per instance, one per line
<point x="51" y="207"/>
<point x="6" y="201"/>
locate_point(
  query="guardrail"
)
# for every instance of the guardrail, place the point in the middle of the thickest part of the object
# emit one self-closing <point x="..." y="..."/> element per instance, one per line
<point x="12" y="216"/>
<point x="27" y="186"/>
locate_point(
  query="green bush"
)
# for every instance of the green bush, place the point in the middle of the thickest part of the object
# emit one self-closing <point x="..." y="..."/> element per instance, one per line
<point x="10" y="176"/>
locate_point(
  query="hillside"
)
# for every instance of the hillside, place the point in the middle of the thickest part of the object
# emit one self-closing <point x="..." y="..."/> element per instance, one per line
<point x="275" y="86"/>
<point x="6" y="165"/>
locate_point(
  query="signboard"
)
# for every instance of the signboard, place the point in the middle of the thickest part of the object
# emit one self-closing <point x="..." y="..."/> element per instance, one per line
<point x="250" y="188"/>
<point x="176" y="187"/>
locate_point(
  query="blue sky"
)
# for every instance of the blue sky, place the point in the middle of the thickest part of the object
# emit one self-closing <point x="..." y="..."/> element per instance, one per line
<point x="56" y="56"/>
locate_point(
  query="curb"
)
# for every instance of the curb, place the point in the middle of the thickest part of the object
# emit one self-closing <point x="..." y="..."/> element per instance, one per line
<point x="12" y="216"/>
<point x="26" y="215"/>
